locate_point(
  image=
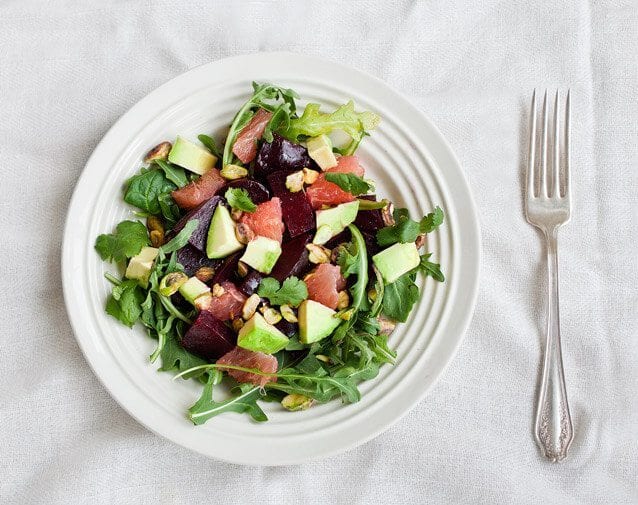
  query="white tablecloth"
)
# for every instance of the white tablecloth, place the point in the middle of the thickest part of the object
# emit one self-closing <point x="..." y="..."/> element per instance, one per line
<point x="69" y="69"/>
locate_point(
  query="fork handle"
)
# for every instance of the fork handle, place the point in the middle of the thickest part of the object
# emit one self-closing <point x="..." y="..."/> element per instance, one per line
<point x="553" y="429"/>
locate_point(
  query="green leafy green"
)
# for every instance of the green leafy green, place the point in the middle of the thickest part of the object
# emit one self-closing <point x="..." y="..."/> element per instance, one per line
<point x="400" y="296"/>
<point x="313" y="123"/>
<point x="372" y="205"/>
<point x="210" y="144"/>
<point x="280" y="120"/>
<point x="173" y="173"/>
<point x="292" y="292"/>
<point x="245" y="401"/>
<point x="406" y="230"/>
<point x="431" y="269"/>
<point x="182" y="238"/>
<point x="238" y="198"/>
<point x="125" y="302"/>
<point x="169" y="209"/>
<point x="144" y="190"/>
<point x="351" y="183"/>
<point x="126" y="242"/>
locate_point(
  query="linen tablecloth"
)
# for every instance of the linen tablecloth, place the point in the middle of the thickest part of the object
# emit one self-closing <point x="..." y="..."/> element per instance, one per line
<point x="69" y="69"/>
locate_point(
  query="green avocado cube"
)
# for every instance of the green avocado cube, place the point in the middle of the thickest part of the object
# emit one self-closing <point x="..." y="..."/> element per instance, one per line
<point x="191" y="156"/>
<point x="140" y="266"/>
<point x="262" y="253"/>
<point x="222" y="240"/>
<point x="396" y="260"/>
<point x="260" y="336"/>
<point x="320" y="150"/>
<point x="337" y="218"/>
<point x="192" y="289"/>
<point x="316" y="321"/>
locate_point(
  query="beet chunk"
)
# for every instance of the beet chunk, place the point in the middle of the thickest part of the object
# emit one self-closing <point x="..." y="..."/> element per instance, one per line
<point x="204" y="214"/>
<point x="281" y="154"/>
<point x="293" y="259"/>
<point x="208" y="337"/>
<point x="250" y="283"/>
<point x="228" y="269"/>
<point x="193" y="259"/>
<point x="296" y="211"/>
<point x="256" y="190"/>
<point x="369" y="220"/>
<point x="287" y="328"/>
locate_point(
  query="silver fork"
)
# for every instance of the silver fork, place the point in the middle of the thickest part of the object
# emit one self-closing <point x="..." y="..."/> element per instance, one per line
<point x="548" y="206"/>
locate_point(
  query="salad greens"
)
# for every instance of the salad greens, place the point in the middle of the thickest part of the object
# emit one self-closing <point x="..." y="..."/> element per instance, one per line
<point x="200" y="308"/>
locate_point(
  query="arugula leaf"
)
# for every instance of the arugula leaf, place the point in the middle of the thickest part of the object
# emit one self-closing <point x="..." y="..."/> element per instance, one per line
<point x="173" y="173"/>
<point x="126" y="242"/>
<point x="125" y="302"/>
<point x="347" y="258"/>
<point x="210" y="144"/>
<point x="351" y="183"/>
<point x="431" y="269"/>
<point x="239" y="198"/>
<point x="313" y="123"/>
<point x="406" y="230"/>
<point x="245" y="401"/>
<point x="182" y="238"/>
<point x="169" y="209"/>
<point x="292" y="292"/>
<point x="280" y="120"/>
<point x="144" y="190"/>
<point x="400" y="296"/>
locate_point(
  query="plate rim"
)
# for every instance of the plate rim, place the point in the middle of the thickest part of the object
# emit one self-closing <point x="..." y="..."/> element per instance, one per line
<point x="470" y="299"/>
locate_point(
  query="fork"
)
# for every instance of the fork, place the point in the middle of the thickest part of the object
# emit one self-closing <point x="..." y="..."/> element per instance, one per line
<point x="548" y="206"/>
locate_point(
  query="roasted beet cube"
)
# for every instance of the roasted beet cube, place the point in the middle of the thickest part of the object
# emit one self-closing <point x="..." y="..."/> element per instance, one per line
<point x="281" y="154"/>
<point x="256" y="190"/>
<point x="250" y="283"/>
<point x="204" y="214"/>
<point x="369" y="220"/>
<point x="296" y="211"/>
<point x="193" y="259"/>
<point x="287" y="328"/>
<point x="227" y="271"/>
<point x="208" y="337"/>
<point x="293" y="259"/>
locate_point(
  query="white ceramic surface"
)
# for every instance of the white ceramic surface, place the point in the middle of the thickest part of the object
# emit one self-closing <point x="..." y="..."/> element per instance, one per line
<point x="413" y="166"/>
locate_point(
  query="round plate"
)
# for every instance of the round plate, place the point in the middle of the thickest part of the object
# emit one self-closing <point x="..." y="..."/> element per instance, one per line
<point x="412" y="165"/>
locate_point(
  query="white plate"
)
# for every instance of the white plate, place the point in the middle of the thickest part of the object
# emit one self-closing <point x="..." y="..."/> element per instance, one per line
<point x="413" y="166"/>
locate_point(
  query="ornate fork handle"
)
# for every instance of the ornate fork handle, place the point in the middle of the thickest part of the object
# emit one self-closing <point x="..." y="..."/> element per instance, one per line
<point x="553" y="430"/>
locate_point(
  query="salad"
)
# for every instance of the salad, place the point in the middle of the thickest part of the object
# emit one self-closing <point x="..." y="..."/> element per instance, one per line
<point x="268" y="263"/>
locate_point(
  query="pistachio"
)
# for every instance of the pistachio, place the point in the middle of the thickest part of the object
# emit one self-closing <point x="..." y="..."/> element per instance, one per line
<point x="159" y="152"/>
<point x="250" y="306"/>
<point x="218" y="290"/>
<point x="205" y="274"/>
<point x="294" y="182"/>
<point x="386" y="325"/>
<point x="170" y="283"/>
<point x="272" y="316"/>
<point x="203" y="302"/>
<point x="156" y="230"/>
<point x="420" y="241"/>
<point x="238" y="323"/>
<point x="372" y="294"/>
<point x="294" y="402"/>
<point x="323" y="357"/>
<point x="318" y="254"/>
<point x="242" y="269"/>
<point x="346" y="315"/>
<point x="288" y="314"/>
<point x="232" y="172"/>
<point x="236" y="214"/>
<point x="344" y="300"/>
<point x="387" y="214"/>
<point x="243" y="233"/>
<point x="310" y="176"/>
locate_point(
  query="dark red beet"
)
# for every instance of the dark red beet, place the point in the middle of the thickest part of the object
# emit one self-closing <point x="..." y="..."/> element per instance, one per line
<point x="208" y="337"/>
<point x="293" y="259"/>
<point x="295" y="208"/>
<point x="339" y="238"/>
<point x="256" y="190"/>
<point x="228" y="270"/>
<point x="250" y="283"/>
<point x="369" y="220"/>
<point x="193" y="259"/>
<point x="281" y="154"/>
<point x="287" y="328"/>
<point x="204" y="214"/>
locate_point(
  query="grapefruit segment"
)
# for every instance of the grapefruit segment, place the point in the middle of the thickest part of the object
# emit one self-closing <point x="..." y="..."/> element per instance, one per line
<point x="266" y="221"/>
<point x="244" y="358"/>
<point x="245" y="146"/>
<point x="193" y="194"/>
<point x="324" y="284"/>
<point x="323" y="192"/>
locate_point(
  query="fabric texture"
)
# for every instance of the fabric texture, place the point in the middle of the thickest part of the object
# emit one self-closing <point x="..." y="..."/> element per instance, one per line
<point x="69" y="69"/>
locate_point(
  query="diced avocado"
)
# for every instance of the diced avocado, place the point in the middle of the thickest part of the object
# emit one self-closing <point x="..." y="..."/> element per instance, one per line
<point x="259" y="336"/>
<point x="338" y="217"/>
<point x="262" y="253"/>
<point x="222" y="240"/>
<point x="193" y="288"/>
<point x="191" y="156"/>
<point x="320" y="150"/>
<point x="316" y="321"/>
<point x="396" y="260"/>
<point x="324" y="233"/>
<point x="140" y="266"/>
